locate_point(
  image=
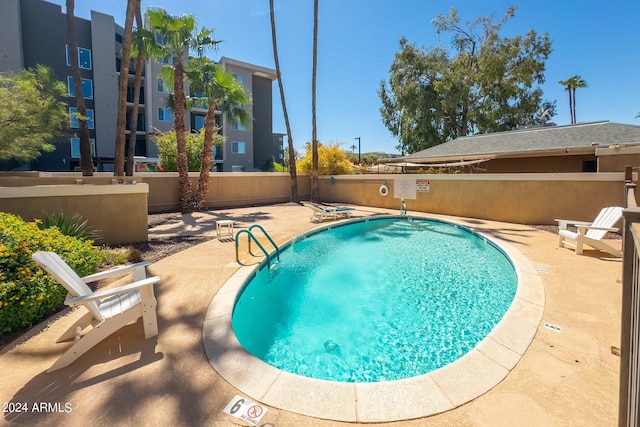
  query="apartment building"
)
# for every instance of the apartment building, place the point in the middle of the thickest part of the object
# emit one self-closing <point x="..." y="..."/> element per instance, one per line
<point x="34" y="32"/>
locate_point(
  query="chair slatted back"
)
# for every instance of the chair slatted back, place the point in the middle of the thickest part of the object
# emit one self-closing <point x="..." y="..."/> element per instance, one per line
<point x="607" y="218"/>
<point x="60" y="270"/>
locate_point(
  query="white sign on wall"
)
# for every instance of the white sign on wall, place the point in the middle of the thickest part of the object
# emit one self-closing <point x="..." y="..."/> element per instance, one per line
<point x="404" y="188"/>
<point x="422" y="185"/>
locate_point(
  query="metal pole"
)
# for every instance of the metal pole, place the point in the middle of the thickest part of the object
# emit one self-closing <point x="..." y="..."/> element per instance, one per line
<point x="359" y="160"/>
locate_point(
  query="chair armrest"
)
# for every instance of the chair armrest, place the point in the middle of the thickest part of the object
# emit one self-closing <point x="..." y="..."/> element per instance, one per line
<point x="115" y="272"/>
<point x="111" y="292"/>
<point x="562" y="223"/>
<point x="589" y="227"/>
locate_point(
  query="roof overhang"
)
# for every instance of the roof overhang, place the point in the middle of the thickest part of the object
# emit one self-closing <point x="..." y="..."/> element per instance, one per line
<point x="567" y="151"/>
<point x="256" y="70"/>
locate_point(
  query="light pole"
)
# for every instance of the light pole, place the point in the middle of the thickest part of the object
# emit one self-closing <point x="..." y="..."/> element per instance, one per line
<point x="358" y="138"/>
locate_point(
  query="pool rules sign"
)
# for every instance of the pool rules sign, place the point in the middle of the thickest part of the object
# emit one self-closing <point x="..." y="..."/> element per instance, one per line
<point x="245" y="409"/>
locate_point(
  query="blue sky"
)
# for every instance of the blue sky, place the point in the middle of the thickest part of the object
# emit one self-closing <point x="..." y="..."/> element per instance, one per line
<point x="358" y="38"/>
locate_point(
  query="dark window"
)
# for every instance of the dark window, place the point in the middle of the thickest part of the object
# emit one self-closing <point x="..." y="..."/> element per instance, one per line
<point x="590" y="166"/>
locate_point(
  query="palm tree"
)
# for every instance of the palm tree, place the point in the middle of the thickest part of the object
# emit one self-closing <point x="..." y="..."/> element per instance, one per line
<point x="222" y="91"/>
<point x="315" y="190"/>
<point x="86" y="160"/>
<point x="353" y="148"/>
<point x="140" y="47"/>
<point x="123" y="81"/>
<point x="292" y="157"/>
<point x="181" y="37"/>
<point x="570" y="85"/>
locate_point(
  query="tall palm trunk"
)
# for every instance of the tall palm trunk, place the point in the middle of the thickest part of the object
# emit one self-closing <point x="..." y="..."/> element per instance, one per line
<point x="123" y="81"/>
<point x="205" y="166"/>
<point x="573" y="106"/>
<point x="292" y="156"/>
<point x="86" y="161"/>
<point x="315" y="190"/>
<point x="186" y="204"/>
<point x="570" y="90"/>
<point x="133" y="138"/>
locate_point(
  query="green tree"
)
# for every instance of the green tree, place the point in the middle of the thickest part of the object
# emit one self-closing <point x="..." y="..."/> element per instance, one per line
<point x="168" y="149"/>
<point x="291" y="151"/>
<point x="86" y="159"/>
<point x="179" y="37"/>
<point x="331" y="159"/>
<point x="31" y="113"/>
<point x="221" y="91"/>
<point x="489" y="83"/>
<point x="571" y="84"/>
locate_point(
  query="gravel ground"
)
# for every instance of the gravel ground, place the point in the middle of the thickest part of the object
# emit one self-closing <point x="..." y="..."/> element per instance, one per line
<point x="158" y="248"/>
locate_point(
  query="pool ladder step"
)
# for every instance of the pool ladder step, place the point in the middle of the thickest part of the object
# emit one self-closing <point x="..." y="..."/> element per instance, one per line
<point x="251" y="236"/>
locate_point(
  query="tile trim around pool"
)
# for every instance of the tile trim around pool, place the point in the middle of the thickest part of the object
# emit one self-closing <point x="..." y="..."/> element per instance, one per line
<point x="441" y="390"/>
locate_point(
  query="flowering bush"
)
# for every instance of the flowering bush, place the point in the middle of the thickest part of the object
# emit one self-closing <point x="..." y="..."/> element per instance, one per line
<point x="27" y="293"/>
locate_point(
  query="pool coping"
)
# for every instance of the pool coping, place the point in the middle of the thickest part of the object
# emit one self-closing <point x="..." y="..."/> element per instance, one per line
<point x="438" y="391"/>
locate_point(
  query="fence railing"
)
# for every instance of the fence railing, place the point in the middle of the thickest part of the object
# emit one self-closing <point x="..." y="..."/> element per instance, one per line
<point x="629" y="406"/>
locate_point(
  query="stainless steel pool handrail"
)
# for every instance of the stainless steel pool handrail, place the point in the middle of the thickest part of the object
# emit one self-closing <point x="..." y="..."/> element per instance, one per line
<point x="267" y="236"/>
<point x="250" y="236"/>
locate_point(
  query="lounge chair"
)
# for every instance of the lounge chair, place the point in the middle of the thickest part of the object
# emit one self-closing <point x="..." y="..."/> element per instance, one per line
<point x="322" y="212"/>
<point x="107" y="310"/>
<point x="590" y="233"/>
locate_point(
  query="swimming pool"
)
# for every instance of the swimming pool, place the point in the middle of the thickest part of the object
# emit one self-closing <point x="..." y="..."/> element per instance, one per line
<point x="376" y="300"/>
<point x="444" y="389"/>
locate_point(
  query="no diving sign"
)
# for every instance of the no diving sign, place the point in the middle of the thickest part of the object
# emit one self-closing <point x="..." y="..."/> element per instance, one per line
<point x="245" y="409"/>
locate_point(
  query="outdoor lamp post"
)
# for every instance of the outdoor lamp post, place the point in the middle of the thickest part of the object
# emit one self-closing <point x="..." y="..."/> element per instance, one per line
<point x="358" y="138"/>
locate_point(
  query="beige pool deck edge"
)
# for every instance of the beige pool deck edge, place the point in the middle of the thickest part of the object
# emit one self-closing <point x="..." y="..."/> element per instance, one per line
<point x="439" y="391"/>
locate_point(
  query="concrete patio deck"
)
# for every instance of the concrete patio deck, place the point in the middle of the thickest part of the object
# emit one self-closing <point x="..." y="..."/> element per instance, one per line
<point x="564" y="378"/>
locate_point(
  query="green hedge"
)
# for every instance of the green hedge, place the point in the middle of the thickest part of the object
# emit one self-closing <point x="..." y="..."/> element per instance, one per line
<point x="27" y="293"/>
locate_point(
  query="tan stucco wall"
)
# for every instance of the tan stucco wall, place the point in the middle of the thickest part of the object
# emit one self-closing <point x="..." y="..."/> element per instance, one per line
<point x="119" y="212"/>
<point x="230" y="189"/>
<point x="518" y="198"/>
<point x="226" y="189"/>
<point x="617" y="163"/>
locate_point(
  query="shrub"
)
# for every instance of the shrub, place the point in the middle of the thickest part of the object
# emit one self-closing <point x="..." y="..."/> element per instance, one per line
<point x="75" y="226"/>
<point x="119" y="256"/>
<point x="27" y="293"/>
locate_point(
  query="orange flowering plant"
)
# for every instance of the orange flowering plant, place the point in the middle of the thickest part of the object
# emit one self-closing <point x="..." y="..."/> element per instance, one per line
<point x="27" y="293"/>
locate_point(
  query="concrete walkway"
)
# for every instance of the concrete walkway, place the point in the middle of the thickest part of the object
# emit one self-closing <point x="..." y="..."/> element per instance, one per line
<point x="564" y="378"/>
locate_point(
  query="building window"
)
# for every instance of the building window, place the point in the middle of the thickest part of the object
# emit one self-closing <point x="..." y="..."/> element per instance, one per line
<point x="119" y="38"/>
<point x="239" y="77"/>
<point x="160" y="85"/>
<point x="237" y="125"/>
<point x="87" y="88"/>
<point x="238" y="147"/>
<point x="161" y="40"/>
<point x="74" y="123"/>
<point x="199" y="123"/>
<point x="75" y="147"/>
<point x="238" y="168"/>
<point x="164" y="114"/>
<point x="84" y="58"/>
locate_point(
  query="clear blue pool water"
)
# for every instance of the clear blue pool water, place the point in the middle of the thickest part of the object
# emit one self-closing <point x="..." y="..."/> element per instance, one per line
<point x="375" y="301"/>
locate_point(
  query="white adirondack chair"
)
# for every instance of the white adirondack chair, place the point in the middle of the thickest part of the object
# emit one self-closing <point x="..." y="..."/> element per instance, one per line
<point x="108" y="310"/>
<point x="590" y="233"/>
